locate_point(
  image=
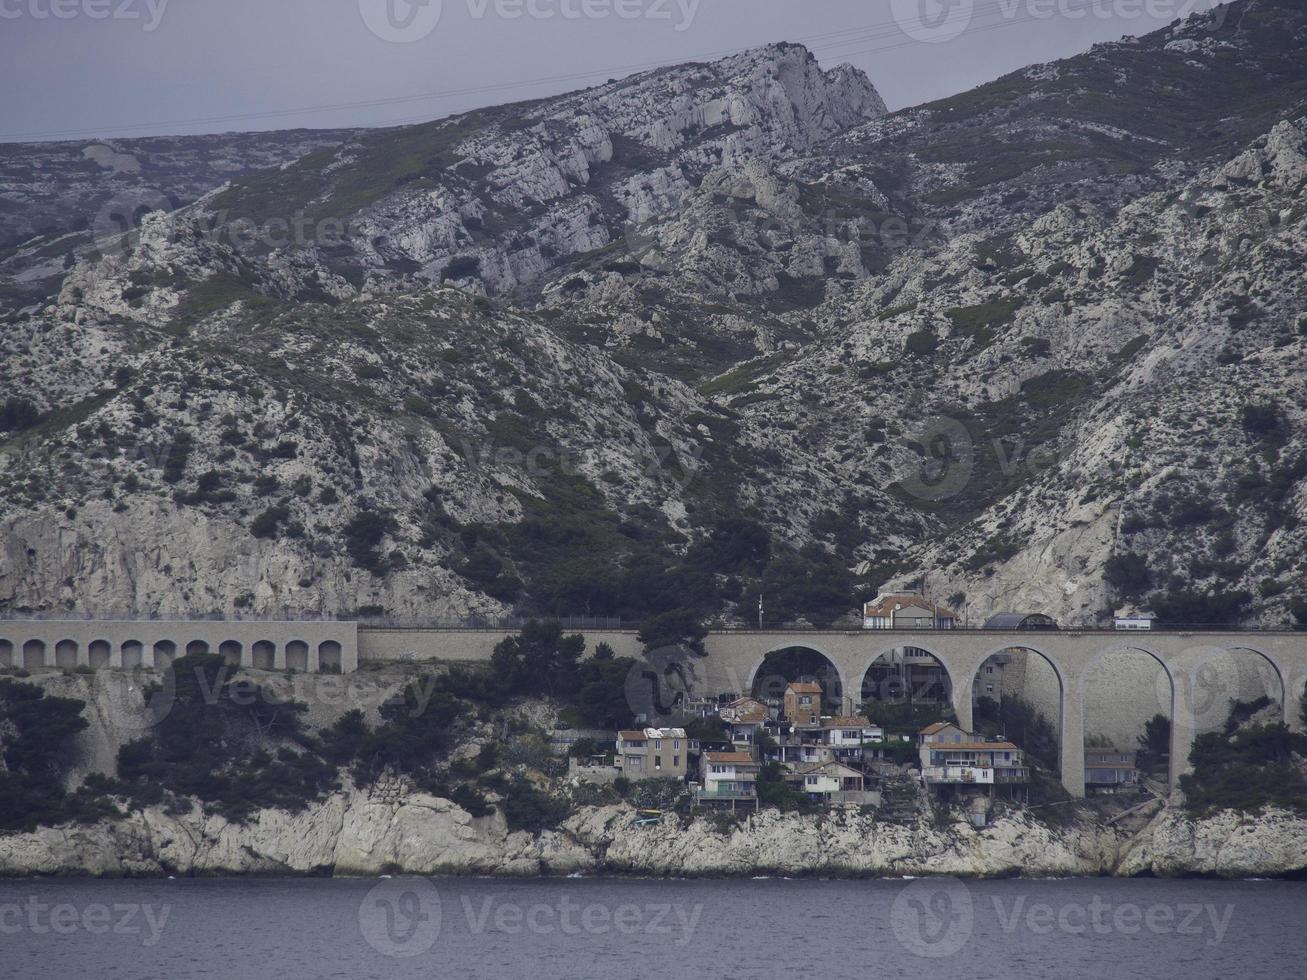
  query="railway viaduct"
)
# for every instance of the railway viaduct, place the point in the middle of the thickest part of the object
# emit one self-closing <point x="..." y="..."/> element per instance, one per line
<point x="1202" y="670"/>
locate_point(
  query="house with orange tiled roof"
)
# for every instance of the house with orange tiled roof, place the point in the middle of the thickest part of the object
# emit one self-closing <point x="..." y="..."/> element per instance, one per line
<point x="906" y="611"/>
<point x="955" y="759"/>
<point x="802" y="703"/>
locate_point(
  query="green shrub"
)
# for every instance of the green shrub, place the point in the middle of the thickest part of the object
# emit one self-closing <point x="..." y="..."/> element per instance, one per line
<point x="922" y="343"/>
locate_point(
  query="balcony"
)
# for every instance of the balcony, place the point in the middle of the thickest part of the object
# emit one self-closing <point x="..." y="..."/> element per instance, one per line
<point x="727" y="793"/>
<point x="968" y="775"/>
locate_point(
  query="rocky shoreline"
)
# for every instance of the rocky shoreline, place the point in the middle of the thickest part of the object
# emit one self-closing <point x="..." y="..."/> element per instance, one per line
<point x="357" y="833"/>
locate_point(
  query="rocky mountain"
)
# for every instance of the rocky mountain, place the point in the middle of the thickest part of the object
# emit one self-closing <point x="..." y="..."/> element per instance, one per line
<point x="705" y="332"/>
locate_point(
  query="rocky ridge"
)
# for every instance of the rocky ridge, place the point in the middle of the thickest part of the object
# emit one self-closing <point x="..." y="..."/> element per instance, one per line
<point x="713" y="289"/>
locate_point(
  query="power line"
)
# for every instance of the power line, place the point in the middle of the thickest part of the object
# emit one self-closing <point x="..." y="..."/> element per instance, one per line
<point x="837" y="39"/>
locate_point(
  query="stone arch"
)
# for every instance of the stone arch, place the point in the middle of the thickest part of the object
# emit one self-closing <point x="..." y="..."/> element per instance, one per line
<point x="65" y="654"/>
<point x="1157" y="699"/>
<point x="297" y="655"/>
<point x="1279" y="690"/>
<point x="264" y="654"/>
<point x="6" y="653"/>
<point x="330" y="656"/>
<point x="165" y="652"/>
<point x="230" y="651"/>
<point x="133" y="653"/>
<point x="33" y="654"/>
<point x="197" y="648"/>
<point x="909" y="674"/>
<point x="766" y="684"/>
<point x="1056" y="713"/>
<point x="99" y="654"/>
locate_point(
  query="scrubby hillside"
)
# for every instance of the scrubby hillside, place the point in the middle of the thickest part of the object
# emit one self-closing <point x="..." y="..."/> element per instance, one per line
<point x="704" y="333"/>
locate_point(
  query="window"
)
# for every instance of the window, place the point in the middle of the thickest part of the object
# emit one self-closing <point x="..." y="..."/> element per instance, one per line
<point x="812" y="780"/>
<point x="658" y="762"/>
<point x="989" y="670"/>
<point x="805" y="700"/>
<point x="676" y="762"/>
<point x="658" y="744"/>
<point x="676" y="744"/>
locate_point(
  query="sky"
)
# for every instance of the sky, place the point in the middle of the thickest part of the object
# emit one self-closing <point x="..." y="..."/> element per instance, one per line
<point x="88" y="69"/>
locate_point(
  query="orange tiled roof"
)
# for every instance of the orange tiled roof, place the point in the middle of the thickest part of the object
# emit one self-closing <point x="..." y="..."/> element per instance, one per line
<point x="847" y="721"/>
<point x="884" y="606"/>
<point x="730" y="758"/>
<point x="804" y="687"/>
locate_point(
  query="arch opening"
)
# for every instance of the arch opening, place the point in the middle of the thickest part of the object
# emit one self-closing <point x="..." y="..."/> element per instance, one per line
<point x="230" y="651"/>
<point x="165" y="652"/>
<point x="133" y="654"/>
<point x="330" y="656"/>
<point x="297" y="655"/>
<point x="197" y="648"/>
<point x="33" y="654"/>
<point x="1017" y="696"/>
<point x="1127" y="694"/>
<point x="798" y="665"/>
<point x="264" y="654"/>
<point x="6" y="653"/>
<point x="65" y="654"/>
<point x="98" y="654"/>
<point x="905" y="689"/>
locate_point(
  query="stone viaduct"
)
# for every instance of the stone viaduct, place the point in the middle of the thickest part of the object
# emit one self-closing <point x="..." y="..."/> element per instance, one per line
<point x="1202" y="672"/>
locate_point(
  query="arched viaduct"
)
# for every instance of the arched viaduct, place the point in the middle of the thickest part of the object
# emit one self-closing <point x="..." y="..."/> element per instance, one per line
<point x="306" y="646"/>
<point x="1201" y="670"/>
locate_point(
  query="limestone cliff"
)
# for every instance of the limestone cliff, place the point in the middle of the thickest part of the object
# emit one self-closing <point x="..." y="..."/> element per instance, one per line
<point x="367" y="833"/>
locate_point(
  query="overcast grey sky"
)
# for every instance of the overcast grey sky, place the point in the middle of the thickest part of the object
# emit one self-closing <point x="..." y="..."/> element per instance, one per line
<point x="81" y="69"/>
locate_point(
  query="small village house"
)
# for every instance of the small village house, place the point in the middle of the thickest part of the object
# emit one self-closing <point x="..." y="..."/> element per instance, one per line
<point x="956" y="760"/>
<point x="802" y="704"/>
<point x="744" y="718"/>
<point x="1108" y="769"/>
<point x="653" y="753"/>
<point x="830" y="783"/>
<point x="728" y="778"/>
<point x="906" y="611"/>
